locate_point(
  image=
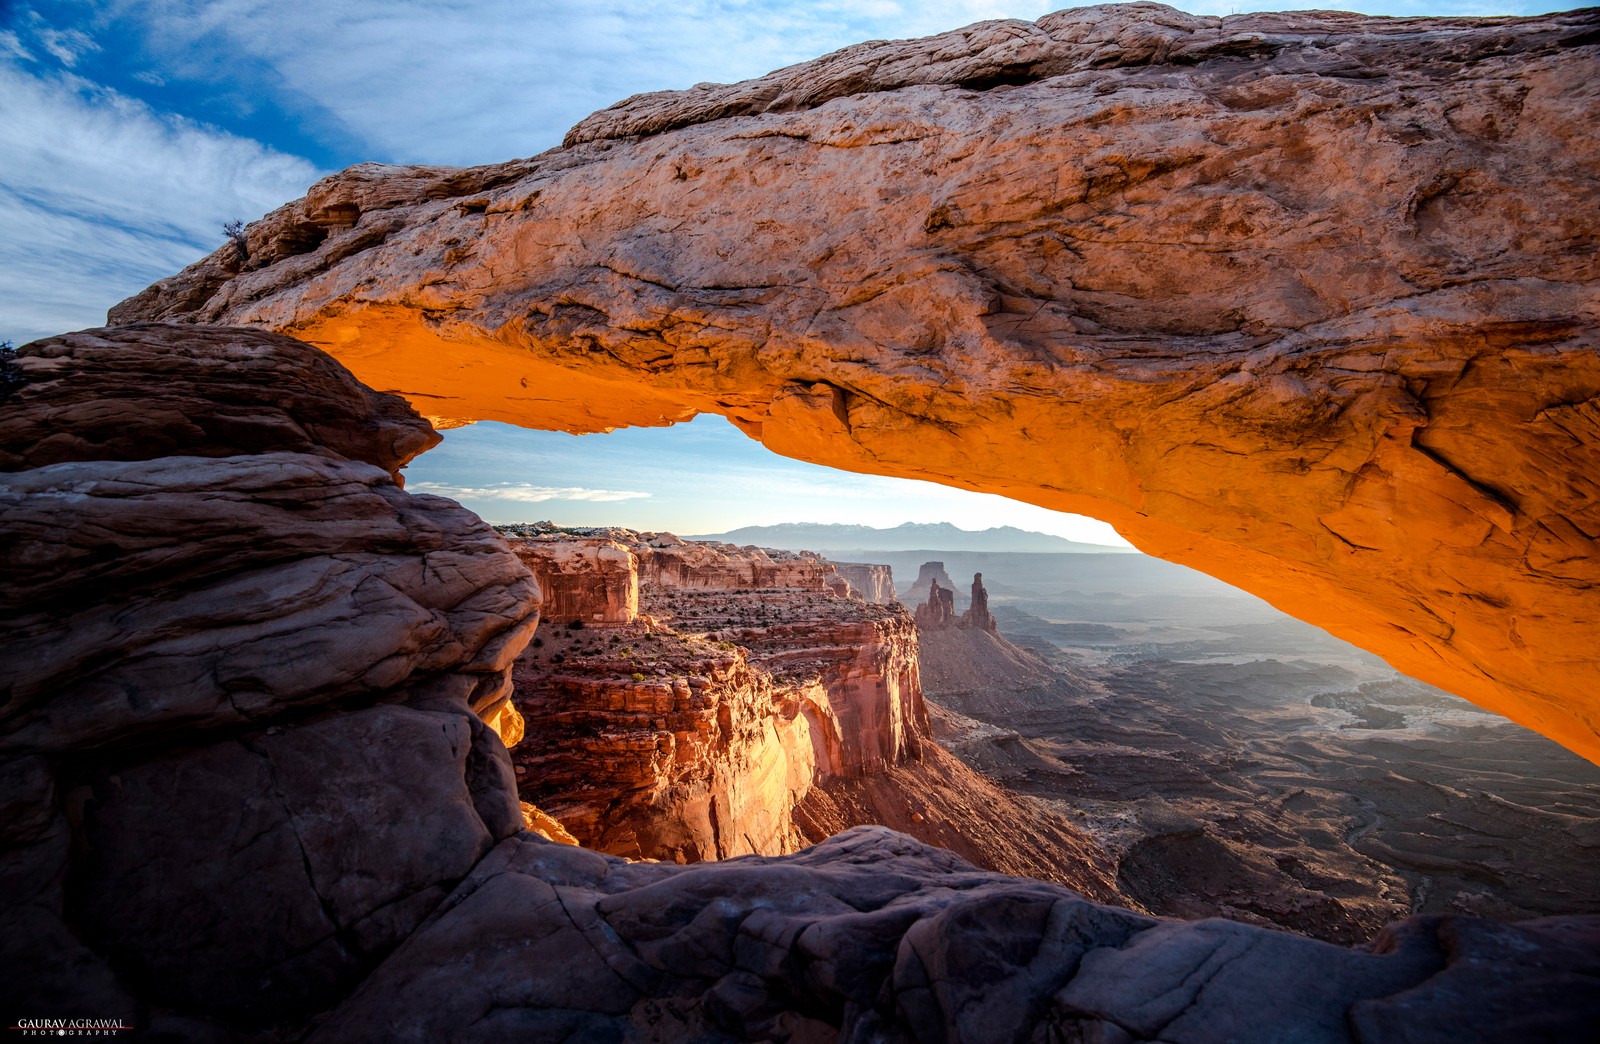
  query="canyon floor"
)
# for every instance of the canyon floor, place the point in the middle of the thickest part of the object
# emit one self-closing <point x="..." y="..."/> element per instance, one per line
<point x="1241" y="764"/>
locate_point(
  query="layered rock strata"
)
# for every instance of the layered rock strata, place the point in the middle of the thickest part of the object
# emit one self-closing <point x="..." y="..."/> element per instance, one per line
<point x="870" y="582"/>
<point x="592" y="582"/>
<point x="1303" y="300"/>
<point x="692" y="731"/>
<point x="245" y="678"/>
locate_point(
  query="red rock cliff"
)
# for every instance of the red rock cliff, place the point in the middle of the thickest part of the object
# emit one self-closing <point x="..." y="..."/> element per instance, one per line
<point x="870" y="582"/>
<point x="1304" y="300"/>
<point x="592" y="582"/>
<point x="691" y="732"/>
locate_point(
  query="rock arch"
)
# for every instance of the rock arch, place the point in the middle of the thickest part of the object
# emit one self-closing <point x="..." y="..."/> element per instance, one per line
<point x="1306" y="301"/>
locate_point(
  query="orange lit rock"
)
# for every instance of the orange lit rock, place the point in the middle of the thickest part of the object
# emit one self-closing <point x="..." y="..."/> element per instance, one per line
<point x="1306" y="301"/>
<point x="691" y="732"/>
<point x="593" y="582"/>
<point x="547" y="827"/>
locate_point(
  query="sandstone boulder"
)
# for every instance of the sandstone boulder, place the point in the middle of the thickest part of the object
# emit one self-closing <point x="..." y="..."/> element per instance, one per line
<point x="142" y="393"/>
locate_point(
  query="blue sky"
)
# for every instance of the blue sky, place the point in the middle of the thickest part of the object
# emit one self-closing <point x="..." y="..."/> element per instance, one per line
<point x="132" y="129"/>
<point x="702" y="477"/>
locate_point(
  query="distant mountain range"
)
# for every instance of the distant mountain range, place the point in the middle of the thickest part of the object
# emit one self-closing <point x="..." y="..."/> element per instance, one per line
<point x="913" y="536"/>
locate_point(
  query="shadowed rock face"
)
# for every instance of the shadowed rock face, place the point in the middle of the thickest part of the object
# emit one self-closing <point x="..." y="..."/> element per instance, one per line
<point x="238" y="675"/>
<point x="872" y="936"/>
<point x="1305" y="300"/>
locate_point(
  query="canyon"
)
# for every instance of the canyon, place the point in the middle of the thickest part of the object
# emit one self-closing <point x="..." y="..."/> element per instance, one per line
<point x="1304" y="300"/>
<point x="748" y="703"/>
<point x="689" y="728"/>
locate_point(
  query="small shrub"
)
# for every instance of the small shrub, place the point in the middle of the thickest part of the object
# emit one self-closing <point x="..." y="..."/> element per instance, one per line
<point x="10" y="378"/>
<point x="636" y="676"/>
<point x="576" y="625"/>
<point x="234" y="230"/>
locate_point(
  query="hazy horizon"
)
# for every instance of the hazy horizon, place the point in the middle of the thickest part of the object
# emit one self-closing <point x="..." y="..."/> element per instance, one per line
<point x="703" y="476"/>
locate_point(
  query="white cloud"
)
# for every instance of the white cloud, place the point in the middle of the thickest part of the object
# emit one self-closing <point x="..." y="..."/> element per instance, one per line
<point x="478" y="81"/>
<point x="11" y="46"/>
<point x="524" y="492"/>
<point x="100" y="197"/>
<point x="67" y="45"/>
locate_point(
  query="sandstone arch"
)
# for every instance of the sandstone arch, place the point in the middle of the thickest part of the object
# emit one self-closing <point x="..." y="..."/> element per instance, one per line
<point x="1305" y="301"/>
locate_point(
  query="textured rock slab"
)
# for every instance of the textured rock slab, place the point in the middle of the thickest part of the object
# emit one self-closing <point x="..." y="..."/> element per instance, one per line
<point x="1306" y="300"/>
<point x="238" y="674"/>
<point x="142" y="393"/>
<point x="198" y="591"/>
<point x="261" y="876"/>
<point x="872" y="936"/>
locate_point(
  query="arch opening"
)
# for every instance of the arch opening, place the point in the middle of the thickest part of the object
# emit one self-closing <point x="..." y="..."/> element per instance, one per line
<point x="1219" y="757"/>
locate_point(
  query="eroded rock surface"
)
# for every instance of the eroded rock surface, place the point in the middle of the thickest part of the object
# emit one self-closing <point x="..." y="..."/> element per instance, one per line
<point x="691" y="732"/>
<point x="240" y="669"/>
<point x="872" y="936"/>
<point x="870" y="582"/>
<point x="729" y="719"/>
<point x="1236" y="763"/>
<point x="1303" y="300"/>
<point x="938" y="612"/>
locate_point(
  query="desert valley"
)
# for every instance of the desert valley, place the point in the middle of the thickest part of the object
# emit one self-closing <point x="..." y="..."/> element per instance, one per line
<point x="1138" y="731"/>
<point x="1303" y="304"/>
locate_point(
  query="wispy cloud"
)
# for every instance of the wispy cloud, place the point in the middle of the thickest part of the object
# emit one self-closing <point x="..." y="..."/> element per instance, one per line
<point x="477" y="81"/>
<point x="67" y="45"/>
<point x="100" y="196"/>
<point x="524" y="492"/>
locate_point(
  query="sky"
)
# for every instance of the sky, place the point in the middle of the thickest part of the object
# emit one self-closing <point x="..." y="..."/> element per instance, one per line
<point x="132" y="130"/>
<point x="656" y="479"/>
